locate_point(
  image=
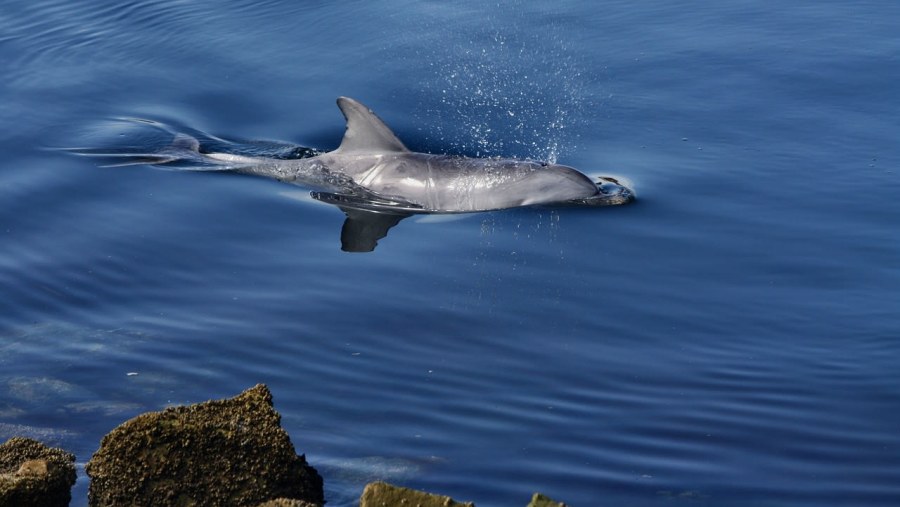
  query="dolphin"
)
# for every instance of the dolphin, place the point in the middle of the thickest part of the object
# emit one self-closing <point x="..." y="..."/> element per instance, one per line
<point x="373" y="164"/>
<point x="377" y="181"/>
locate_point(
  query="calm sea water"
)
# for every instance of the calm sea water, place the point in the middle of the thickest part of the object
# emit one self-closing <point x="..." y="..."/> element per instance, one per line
<point x="731" y="339"/>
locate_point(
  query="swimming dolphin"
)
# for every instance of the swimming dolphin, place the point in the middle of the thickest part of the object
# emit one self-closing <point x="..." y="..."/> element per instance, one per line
<point x="377" y="181"/>
<point x="377" y="167"/>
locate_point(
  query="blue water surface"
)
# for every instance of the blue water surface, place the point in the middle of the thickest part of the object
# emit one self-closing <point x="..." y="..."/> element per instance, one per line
<point x="730" y="339"/>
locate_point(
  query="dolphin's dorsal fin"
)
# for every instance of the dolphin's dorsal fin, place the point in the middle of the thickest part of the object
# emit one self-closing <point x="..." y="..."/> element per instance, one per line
<point x="366" y="133"/>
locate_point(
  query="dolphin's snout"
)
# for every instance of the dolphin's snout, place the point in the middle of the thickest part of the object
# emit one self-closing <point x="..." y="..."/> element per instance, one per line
<point x="612" y="187"/>
<point x="610" y="192"/>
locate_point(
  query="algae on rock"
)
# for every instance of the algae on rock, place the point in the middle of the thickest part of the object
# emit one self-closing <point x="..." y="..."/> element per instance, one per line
<point x="540" y="500"/>
<point x="382" y="494"/>
<point x="33" y="474"/>
<point x="287" y="502"/>
<point x="226" y="452"/>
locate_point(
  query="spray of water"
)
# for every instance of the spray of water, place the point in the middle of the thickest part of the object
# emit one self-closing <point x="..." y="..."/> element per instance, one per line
<point x="503" y="79"/>
<point x="513" y="89"/>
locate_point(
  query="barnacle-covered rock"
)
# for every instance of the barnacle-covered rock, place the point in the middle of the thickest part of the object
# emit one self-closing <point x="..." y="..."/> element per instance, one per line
<point x="227" y="452"/>
<point x="34" y="474"/>
<point x="540" y="500"/>
<point x="382" y="494"/>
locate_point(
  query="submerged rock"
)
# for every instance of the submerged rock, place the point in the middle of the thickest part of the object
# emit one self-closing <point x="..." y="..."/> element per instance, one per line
<point x="227" y="452"/>
<point x="539" y="500"/>
<point x="34" y="474"/>
<point x="382" y="494"/>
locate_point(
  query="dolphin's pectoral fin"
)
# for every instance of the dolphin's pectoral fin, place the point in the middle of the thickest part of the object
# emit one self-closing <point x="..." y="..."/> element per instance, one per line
<point x="366" y="133"/>
<point x="368" y="202"/>
<point x="369" y="217"/>
<point x="362" y="229"/>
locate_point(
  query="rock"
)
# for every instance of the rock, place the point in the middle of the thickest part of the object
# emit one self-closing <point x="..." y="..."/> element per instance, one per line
<point x="34" y="474"/>
<point x="287" y="502"/>
<point x="382" y="494"/>
<point x="539" y="500"/>
<point x="227" y="452"/>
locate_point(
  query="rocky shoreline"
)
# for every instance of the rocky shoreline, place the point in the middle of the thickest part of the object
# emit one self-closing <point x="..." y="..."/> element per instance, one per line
<point x="230" y="452"/>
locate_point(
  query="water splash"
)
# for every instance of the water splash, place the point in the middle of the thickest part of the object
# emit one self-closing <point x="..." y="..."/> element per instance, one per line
<point x="517" y="89"/>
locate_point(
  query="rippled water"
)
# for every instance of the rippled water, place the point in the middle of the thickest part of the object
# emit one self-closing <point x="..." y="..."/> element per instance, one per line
<point x="730" y="339"/>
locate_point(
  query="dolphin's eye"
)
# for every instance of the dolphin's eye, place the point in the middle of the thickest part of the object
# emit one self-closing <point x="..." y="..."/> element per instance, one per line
<point x="544" y="164"/>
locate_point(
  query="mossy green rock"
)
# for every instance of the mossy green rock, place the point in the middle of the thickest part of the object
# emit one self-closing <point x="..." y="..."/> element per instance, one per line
<point x="228" y="452"/>
<point x="539" y="500"/>
<point x="34" y="474"/>
<point x="382" y="494"/>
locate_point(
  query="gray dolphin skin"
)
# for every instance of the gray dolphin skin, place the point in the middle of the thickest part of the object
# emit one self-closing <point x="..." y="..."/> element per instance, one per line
<point x="380" y="173"/>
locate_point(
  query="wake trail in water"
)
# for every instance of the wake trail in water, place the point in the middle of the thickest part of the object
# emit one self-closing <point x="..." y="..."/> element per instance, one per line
<point x="164" y="146"/>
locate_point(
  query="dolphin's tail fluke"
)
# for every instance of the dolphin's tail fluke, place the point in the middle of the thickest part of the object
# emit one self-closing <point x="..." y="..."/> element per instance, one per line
<point x="182" y="154"/>
<point x="181" y="148"/>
